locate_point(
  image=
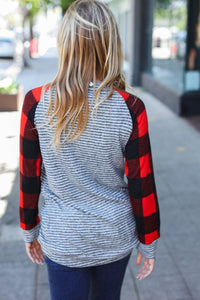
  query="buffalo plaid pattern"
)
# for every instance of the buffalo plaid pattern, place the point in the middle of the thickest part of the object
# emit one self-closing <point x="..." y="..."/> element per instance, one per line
<point x="138" y="168"/>
<point x="30" y="162"/>
<point x="139" y="172"/>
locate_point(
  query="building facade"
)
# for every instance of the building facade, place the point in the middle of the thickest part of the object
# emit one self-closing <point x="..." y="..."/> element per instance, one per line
<point x="161" y="44"/>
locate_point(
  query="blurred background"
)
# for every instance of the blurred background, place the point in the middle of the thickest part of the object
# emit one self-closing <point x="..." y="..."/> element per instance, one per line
<point x="161" y="45"/>
<point x="27" y="30"/>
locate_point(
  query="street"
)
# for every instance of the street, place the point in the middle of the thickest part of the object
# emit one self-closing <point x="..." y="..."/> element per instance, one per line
<point x="10" y="67"/>
<point x="175" y="148"/>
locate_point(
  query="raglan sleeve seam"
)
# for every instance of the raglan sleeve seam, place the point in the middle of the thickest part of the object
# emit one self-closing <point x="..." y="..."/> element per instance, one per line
<point x="123" y="129"/>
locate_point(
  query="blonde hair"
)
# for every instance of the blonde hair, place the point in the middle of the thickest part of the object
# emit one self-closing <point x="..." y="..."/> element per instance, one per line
<point x="89" y="50"/>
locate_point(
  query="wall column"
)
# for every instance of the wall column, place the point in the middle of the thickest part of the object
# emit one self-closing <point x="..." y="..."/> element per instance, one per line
<point x="142" y="26"/>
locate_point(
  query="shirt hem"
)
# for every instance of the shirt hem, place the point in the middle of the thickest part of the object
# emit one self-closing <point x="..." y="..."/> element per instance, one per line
<point x="78" y="261"/>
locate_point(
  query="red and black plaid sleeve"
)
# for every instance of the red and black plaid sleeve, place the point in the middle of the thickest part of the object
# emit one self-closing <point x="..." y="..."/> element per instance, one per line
<point x="30" y="162"/>
<point x="139" y="172"/>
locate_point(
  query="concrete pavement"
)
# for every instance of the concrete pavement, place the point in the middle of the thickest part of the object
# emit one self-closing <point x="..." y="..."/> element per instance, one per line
<point x="175" y="148"/>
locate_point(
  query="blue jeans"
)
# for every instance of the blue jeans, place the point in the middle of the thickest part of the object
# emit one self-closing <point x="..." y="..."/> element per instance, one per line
<point x="89" y="283"/>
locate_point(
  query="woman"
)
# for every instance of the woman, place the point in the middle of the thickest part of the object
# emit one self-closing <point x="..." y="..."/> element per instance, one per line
<point x="79" y="134"/>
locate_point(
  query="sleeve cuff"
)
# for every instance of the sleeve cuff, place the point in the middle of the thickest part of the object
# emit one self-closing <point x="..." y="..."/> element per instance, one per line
<point x="148" y="251"/>
<point x="31" y="235"/>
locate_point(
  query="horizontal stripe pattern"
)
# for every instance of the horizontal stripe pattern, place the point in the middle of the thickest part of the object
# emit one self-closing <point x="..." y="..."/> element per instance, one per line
<point x="86" y="216"/>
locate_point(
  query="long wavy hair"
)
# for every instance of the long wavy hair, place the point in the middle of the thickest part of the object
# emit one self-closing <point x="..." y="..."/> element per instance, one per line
<point x="89" y="50"/>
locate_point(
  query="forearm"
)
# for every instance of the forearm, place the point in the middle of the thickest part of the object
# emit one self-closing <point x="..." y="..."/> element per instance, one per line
<point x="31" y="235"/>
<point x="149" y="250"/>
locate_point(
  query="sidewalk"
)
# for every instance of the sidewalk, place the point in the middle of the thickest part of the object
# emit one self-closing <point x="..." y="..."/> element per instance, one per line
<point x="175" y="147"/>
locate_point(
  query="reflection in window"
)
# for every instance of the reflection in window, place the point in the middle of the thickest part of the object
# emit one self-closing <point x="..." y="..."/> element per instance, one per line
<point x="169" y="42"/>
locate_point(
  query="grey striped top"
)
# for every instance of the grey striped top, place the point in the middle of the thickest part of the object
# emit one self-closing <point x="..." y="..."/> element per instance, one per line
<point x="86" y="215"/>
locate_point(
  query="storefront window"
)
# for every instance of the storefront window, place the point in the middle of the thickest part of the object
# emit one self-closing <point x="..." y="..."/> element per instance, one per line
<point x="169" y="42"/>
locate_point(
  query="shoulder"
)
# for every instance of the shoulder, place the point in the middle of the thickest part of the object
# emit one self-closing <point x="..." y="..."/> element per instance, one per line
<point x="34" y="94"/>
<point x="134" y="103"/>
<point x="32" y="98"/>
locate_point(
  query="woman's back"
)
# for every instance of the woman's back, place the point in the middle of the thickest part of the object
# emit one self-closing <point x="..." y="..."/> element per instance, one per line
<point x="86" y="212"/>
<point x="79" y="134"/>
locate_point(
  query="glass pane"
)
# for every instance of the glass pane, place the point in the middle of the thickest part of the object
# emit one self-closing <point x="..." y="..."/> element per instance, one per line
<point x="169" y="42"/>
